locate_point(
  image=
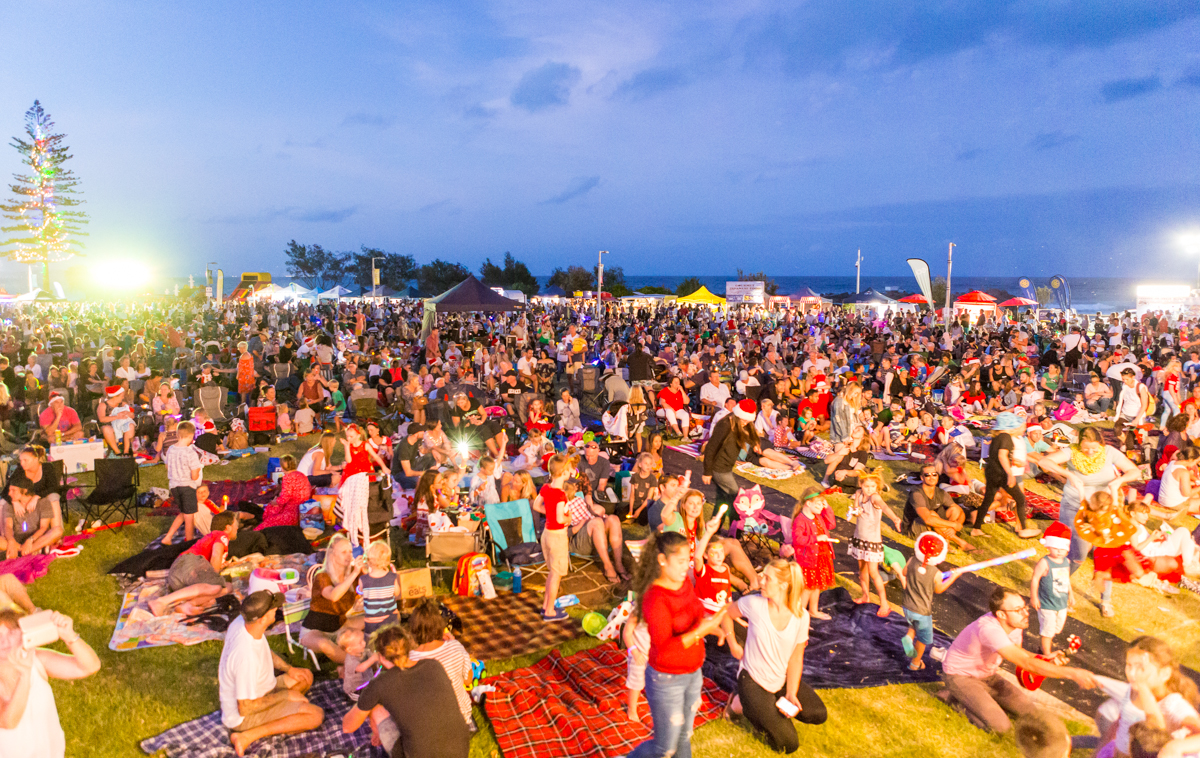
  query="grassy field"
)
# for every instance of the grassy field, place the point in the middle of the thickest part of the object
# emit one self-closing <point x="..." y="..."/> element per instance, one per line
<point x="140" y="693"/>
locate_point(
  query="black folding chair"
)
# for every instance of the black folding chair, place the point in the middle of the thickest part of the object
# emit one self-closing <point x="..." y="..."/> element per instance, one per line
<point x="115" y="493"/>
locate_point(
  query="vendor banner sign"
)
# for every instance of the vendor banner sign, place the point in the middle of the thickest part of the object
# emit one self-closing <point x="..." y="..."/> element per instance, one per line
<point x="745" y="292"/>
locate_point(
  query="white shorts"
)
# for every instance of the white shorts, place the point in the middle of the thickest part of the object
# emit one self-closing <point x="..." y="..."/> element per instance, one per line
<point x="1050" y="623"/>
<point x="635" y="676"/>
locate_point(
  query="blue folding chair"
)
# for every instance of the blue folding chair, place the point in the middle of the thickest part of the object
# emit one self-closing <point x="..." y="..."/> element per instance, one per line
<point x="509" y="525"/>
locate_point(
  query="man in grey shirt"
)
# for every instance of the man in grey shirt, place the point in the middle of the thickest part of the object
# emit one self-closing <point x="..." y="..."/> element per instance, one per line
<point x="929" y="508"/>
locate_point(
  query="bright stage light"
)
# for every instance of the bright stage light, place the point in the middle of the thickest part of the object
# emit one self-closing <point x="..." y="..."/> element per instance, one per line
<point x="1189" y="240"/>
<point x="121" y="273"/>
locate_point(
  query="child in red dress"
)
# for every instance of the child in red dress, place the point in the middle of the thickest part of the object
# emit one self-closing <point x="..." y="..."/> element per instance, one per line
<point x="812" y="521"/>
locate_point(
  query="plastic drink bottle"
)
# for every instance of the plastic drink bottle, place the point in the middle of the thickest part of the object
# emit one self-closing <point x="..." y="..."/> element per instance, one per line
<point x="516" y="583"/>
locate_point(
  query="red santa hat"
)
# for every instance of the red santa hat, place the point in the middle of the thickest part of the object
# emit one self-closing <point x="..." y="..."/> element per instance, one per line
<point x="931" y="548"/>
<point x="746" y="410"/>
<point x="1057" y="535"/>
<point x="114" y="391"/>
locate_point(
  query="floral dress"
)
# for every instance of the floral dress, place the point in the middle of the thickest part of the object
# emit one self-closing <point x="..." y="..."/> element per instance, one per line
<point x="284" y="510"/>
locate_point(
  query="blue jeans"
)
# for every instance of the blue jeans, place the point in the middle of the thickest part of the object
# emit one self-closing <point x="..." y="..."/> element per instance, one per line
<point x="674" y="700"/>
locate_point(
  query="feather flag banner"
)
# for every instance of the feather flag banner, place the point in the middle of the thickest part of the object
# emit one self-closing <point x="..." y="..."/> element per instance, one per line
<point x="920" y="270"/>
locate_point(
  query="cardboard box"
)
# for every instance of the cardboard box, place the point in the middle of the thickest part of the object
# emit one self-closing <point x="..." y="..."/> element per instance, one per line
<point x="415" y="584"/>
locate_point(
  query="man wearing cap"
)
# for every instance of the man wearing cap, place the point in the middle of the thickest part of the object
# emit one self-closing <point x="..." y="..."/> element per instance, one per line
<point x="970" y="669"/>
<point x="930" y="508"/>
<point x="60" y="419"/>
<point x="255" y="703"/>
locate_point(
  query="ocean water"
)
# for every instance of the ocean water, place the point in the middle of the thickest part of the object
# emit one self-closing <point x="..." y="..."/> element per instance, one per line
<point x="1088" y="294"/>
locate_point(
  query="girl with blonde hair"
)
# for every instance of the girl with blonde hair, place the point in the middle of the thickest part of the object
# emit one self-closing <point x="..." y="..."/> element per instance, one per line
<point x="773" y="659"/>
<point x="868" y="507"/>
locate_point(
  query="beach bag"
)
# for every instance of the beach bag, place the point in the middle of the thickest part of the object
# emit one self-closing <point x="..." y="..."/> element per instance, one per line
<point x="238" y="441"/>
<point x="1065" y="411"/>
<point x="466" y="573"/>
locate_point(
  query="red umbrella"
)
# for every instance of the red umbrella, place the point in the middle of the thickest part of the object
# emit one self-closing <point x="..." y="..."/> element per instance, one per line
<point x="1017" y="302"/>
<point x="977" y="297"/>
<point x="914" y="299"/>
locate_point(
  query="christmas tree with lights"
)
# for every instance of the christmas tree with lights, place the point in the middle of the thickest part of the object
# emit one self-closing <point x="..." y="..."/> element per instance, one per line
<point x="46" y="228"/>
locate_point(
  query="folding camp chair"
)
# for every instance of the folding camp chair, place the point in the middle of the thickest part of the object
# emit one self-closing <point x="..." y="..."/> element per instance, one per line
<point x="510" y="525"/>
<point x="115" y="493"/>
<point x="210" y="398"/>
<point x="443" y="549"/>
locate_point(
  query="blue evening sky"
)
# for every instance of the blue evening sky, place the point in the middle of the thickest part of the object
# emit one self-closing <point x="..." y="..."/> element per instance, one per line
<point x="686" y="137"/>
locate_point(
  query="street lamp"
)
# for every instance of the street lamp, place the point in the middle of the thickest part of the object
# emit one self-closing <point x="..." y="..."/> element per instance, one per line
<point x="374" y="277"/>
<point x="600" y="287"/>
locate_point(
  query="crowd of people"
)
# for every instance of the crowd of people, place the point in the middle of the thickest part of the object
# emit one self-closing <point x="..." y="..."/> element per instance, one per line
<point x="571" y="412"/>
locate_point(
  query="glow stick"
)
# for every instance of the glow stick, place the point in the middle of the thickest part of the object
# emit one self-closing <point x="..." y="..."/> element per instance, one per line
<point x="722" y="510"/>
<point x="1027" y="553"/>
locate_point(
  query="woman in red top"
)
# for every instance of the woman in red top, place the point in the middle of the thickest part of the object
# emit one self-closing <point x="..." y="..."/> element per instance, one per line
<point x="673" y="401"/>
<point x="355" y="491"/>
<point x="677" y="625"/>
<point x="1170" y="392"/>
<point x="812" y="521"/>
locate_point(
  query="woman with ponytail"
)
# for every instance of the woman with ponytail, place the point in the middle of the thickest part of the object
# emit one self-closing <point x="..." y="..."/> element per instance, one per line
<point x="677" y="624"/>
<point x="773" y="661"/>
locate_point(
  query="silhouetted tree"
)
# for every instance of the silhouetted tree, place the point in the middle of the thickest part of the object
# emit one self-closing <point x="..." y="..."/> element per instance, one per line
<point x="575" y="278"/>
<point x="688" y="286"/>
<point x="514" y="275"/>
<point x="315" y="266"/>
<point x="438" y="276"/>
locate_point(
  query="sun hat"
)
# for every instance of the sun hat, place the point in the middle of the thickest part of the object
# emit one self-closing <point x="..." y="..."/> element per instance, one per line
<point x="1007" y="422"/>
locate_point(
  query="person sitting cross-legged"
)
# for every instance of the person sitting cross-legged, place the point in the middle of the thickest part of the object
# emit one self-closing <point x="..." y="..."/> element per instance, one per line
<point x="255" y="703"/>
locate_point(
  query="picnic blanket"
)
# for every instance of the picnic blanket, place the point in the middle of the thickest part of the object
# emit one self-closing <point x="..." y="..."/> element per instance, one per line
<point x="508" y="625"/>
<point x="206" y="737"/>
<point x="138" y="628"/>
<point x="30" y="567"/>
<point x="819" y="448"/>
<point x="1041" y="506"/>
<point x="882" y="456"/>
<point x="854" y="649"/>
<point x="691" y="449"/>
<point x="745" y="468"/>
<point x="574" y="706"/>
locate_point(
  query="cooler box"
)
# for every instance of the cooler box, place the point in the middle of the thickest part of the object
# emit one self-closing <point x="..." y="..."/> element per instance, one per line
<point x="78" y="456"/>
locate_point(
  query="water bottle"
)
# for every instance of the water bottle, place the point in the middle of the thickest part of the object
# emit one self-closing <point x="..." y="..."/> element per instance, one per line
<point x="516" y="583"/>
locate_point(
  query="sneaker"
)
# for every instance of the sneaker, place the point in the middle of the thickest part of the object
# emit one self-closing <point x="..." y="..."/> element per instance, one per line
<point x="938" y="654"/>
<point x="558" y="615"/>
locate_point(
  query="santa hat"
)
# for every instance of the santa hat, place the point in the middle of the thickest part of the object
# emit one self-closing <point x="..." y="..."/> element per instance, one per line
<point x="114" y="391"/>
<point x="746" y="410"/>
<point x="57" y="395"/>
<point x="1057" y="535"/>
<point x="931" y="548"/>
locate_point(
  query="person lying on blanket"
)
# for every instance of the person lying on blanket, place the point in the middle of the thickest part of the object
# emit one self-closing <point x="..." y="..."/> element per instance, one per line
<point x="255" y="703"/>
<point x="194" y="581"/>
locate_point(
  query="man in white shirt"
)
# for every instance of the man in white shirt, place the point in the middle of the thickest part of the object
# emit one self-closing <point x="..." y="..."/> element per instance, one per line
<point x="713" y="394"/>
<point x="254" y="702"/>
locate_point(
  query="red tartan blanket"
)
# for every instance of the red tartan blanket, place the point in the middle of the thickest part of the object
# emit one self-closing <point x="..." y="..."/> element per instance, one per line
<point x="1041" y="506"/>
<point x="574" y="706"/>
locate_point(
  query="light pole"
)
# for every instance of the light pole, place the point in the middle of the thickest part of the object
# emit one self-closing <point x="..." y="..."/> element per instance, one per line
<point x="949" y="265"/>
<point x="374" y="277"/>
<point x="600" y="287"/>
<point x="858" y="273"/>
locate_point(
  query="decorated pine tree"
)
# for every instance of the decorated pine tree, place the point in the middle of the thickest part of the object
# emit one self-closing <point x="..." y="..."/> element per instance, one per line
<point x="45" y="228"/>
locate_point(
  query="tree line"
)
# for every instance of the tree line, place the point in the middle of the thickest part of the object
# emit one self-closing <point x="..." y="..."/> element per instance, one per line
<point x="322" y="269"/>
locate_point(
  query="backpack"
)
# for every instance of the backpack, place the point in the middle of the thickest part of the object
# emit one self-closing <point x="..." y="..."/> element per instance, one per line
<point x="466" y="573"/>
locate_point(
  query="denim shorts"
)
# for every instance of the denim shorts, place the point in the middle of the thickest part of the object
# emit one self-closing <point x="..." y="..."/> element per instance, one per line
<point x="922" y="625"/>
